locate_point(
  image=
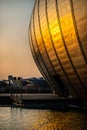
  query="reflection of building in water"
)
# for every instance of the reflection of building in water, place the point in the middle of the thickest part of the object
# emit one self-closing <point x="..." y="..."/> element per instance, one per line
<point x="58" y="41"/>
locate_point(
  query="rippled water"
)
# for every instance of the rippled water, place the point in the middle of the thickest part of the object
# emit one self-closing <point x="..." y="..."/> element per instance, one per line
<point x="29" y="119"/>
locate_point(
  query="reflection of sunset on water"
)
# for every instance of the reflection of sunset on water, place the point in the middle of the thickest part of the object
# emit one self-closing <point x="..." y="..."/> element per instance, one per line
<point x="31" y="119"/>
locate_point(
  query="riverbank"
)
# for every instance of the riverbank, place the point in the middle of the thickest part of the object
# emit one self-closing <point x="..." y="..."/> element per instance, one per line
<point x="40" y="101"/>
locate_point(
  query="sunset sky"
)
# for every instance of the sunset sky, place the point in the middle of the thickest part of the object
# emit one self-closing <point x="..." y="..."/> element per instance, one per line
<point x="15" y="55"/>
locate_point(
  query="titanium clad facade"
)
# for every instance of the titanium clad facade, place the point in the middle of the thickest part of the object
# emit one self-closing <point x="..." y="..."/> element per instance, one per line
<point x="58" y="41"/>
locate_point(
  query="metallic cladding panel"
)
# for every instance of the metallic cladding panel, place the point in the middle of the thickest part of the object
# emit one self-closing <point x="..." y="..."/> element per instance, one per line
<point x="58" y="41"/>
<point x="39" y="59"/>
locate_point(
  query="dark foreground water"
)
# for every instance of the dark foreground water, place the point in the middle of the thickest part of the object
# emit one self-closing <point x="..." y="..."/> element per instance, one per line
<point x="30" y="119"/>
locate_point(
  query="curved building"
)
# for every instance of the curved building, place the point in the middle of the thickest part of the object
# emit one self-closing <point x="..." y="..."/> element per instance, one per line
<point x="58" y="41"/>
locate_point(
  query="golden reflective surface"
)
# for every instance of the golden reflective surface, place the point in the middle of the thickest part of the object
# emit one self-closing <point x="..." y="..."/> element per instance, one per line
<point x="31" y="119"/>
<point x="52" y="120"/>
<point x="59" y="35"/>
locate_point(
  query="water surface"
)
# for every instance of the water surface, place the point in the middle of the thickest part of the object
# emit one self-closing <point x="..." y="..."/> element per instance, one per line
<point x="31" y="119"/>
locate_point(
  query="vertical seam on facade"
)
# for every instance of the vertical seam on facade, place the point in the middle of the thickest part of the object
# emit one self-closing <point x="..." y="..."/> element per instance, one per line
<point x="59" y="59"/>
<point x="48" y="26"/>
<point x="31" y="43"/>
<point x="45" y="47"/>
<point x="55" y="49"/>
<point x="57" y="54"/>
<point x="52" y="43"/>
<point x="39" y="50"/>
<point x="69" y="57"/>
<point x="43" y="40"/>
<point x="76" y="31"/>
<point x="37" y="62"/>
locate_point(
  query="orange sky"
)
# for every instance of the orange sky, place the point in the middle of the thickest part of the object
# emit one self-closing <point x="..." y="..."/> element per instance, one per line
<point x="15" y="55"/>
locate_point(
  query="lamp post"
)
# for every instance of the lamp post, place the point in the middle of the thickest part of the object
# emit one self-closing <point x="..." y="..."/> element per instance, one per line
<point x="20" y="87"/>
<point x="10" y="78"/>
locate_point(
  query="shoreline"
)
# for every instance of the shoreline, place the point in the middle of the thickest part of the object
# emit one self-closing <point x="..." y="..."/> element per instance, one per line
<point x="42" y="101"/>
